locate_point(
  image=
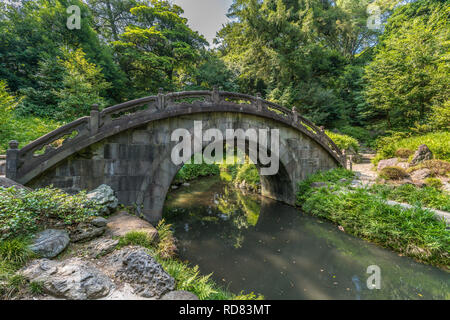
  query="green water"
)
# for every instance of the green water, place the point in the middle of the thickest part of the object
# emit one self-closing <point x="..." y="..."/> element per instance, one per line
<point x="254" y="244"/>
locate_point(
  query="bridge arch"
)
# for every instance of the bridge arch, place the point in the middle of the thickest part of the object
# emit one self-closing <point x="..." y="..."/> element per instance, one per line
<point x="128" y="146"/>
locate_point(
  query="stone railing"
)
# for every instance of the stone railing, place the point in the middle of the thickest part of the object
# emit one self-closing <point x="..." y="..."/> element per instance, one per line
<point x="19" y="161"/>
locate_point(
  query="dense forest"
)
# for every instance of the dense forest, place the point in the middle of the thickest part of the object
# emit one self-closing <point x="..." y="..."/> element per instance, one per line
<point x="321" y="56"/>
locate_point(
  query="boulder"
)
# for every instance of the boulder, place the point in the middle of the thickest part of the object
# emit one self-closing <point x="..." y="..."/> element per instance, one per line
<point x="8" y="183"/>
<point x="403" y="165"/>
<point x="49" y="243"/>
<point x="73" y="279"/>
<point x="99" y="222"/>
<point x="318" y="184"/>
<point x="141" y="271"/>
<point x="122" y="222"/>
<point x="420" y="174"/>
<point x="101" y="247"/>
<point x="104" y="196"/>
<point x="179" y="295"/>
<point x="387" y="163"/>
<point x="423" y="153"/>
<point x="86" y="232"/>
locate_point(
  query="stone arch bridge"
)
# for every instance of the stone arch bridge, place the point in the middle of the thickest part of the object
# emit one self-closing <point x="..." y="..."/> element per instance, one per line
<point x="128" y="147"/>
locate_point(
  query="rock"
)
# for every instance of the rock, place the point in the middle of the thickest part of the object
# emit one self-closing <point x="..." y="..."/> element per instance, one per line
<point x="70" y="279"/>
<point x="174" y="187"/>
<point x="8" y="183"/>
<point x="446" y="187"/>
<point x="420" y="174"/>
<point x="387" y="163"/>
<point x="104" y="196"/>
<point x="121" y="223"/>
<point x="49" y="243"/>
<point x="85" y="232"/>
<point x="142" y="272"/>
<point x="101" y="247"/>
<point x="403" y="165"/>
<point x="186" y="184"/>
<point x="318" y="184"/>
<point x="423" y="153"/>
<point x="179" y="295"/>
<point x="99" y="222"/>
<point x="357" y="184"/>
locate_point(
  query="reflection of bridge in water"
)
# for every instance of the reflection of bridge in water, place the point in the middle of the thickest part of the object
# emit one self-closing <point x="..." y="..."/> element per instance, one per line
<point x="128" y="146"/>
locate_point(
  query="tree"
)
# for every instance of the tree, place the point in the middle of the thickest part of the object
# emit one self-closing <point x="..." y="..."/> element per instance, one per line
<point x="83" y="86"/>
<point x="157" y="48"/>
<point x="408" y="77"/>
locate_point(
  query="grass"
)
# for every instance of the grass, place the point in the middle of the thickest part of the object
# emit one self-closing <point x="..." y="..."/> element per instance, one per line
<point x="429" y="197"/>
<point x="187" y="277"/>
<point x="14" y="254"/>
<point x="438" y="142"/>
<point x="393" y="173"/>
<point x="412" y="232"/>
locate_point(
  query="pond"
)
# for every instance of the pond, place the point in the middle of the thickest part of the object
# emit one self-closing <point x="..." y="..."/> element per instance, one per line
<point x="255" y="244"/>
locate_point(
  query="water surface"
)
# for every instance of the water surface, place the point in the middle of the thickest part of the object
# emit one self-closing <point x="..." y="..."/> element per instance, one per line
<point x="251" y="243"/>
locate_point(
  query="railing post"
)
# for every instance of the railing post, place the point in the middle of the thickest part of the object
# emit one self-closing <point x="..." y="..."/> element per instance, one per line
<point x="94" y="121"/>
<point x="12" y="160"/>
<point x="215" y="95"/>
<point x="295" y="113"/>
<point x="258" y="102"/>
<point x="161" y="99"/>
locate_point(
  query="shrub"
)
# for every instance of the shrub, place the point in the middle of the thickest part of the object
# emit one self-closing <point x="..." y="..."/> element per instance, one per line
<point x="404" y="153"/>
<point x="433" y="182"/>
<point x="25" y="130"/>
<point x="438" y="142"/>
<point x="166" y="246"/>
<point x="344" y="141"/>
<point x="393" y="173"/>
<point x="249" y="173"/>
<point x="25" y="211"/>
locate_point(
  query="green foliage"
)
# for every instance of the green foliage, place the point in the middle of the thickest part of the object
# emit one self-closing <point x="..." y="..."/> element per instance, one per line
<point x="166" y="247"/>
<point x="248" y="173"/>
<point x="407" y="81"/>
<point x="413" y="232"/>
<point x="344" y="141"/>
<point x="136" y="238"/>
<point x="426" y="197"/>
<point x="433" y="182"/>
<point x="191" y="171"/>
<point x="15" y="251"/>
<point x="438" y="142"/>
<point x="14" y="254"/>
<point x="393" y="173"/>
<point x="36" y="287"/>
<point x="25" y="211"/>
<point x="83" y="86"/>
<point x="25" y="130"/>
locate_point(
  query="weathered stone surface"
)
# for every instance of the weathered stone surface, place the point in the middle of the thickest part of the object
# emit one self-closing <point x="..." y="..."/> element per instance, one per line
<point x="99" y="222"/>
<point x="122" y="222"/>
<point x="423" y="153"/>
<point x="138" y="268"/>
<point x="86" y="232"/>
<point x="101" y="247"/>
<point x="179" y="295"/>
<point x="387" y="163"/>
<point x="104" y="196"/>
<point x="7" y="183"/>
<point x="70" y="279"/>
<point x="403" y="165"/>
<point x="140" y="171"/>
<point x="420" y="174"/>
<point x="446" y="187"/>
<point x="49" y="243"/>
